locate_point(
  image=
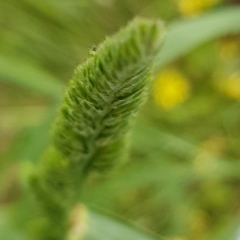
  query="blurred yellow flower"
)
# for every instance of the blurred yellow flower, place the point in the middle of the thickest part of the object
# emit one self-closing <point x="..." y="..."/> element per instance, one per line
<point x="231" y="86"/>
<point x="170" y="89"/>
<point x="193" y="7"/>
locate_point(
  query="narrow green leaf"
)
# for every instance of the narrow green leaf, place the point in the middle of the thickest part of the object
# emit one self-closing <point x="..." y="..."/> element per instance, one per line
<point x="185" y="35"/>
<point x="27" y="75"/>
<point x="102" y="227"/>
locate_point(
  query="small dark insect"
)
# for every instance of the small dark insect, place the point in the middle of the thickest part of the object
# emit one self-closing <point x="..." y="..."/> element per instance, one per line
<point x="93" y="50"/>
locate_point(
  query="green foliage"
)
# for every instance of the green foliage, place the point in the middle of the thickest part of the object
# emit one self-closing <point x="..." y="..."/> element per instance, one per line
<point x="92" y="126"/>
<point x="183" y="178"/>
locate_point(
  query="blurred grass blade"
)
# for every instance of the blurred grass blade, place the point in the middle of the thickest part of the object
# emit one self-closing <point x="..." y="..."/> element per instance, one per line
<point x="27" y="75"/>
<point x="102" y="228"/>
<point x="185" y="35"/>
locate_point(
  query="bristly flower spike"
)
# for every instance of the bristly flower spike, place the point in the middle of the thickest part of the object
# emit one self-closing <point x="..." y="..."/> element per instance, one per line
<point x="104" y="95"/>
<point x="92" y="125"/>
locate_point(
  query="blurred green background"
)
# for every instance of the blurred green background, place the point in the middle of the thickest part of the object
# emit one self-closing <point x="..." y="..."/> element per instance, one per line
<point x="183" y="178"/>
